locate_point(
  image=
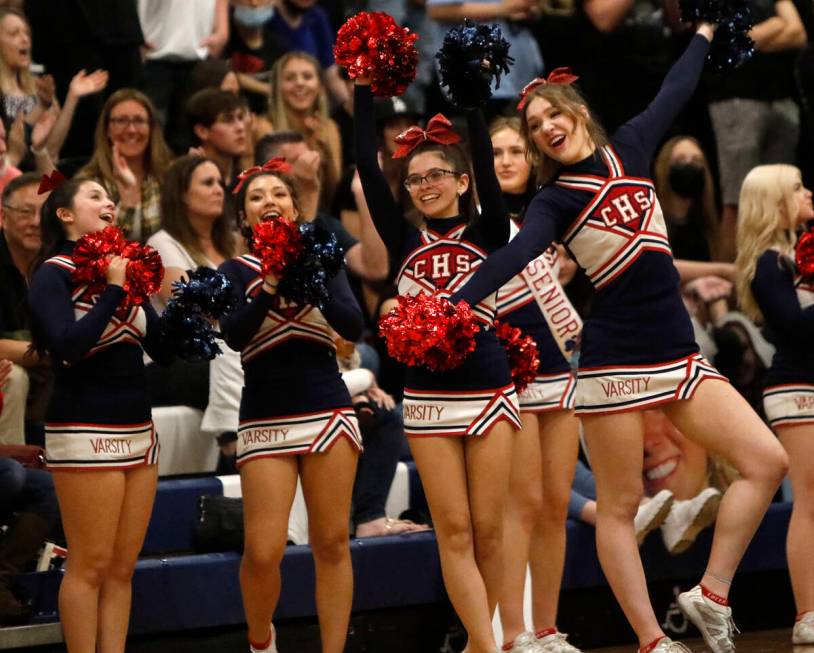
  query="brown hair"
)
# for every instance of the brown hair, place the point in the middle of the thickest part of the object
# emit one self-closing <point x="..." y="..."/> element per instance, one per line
<point x="174" y="218"/>
<point x="240" y="202"/>
<point x="515" y="124"/>
<point x="568" y="99"/>
<point x="157" y="155"/>
<point x="458" y="160"/>
<point x="665" y="193"/>
<point x="278" y="113"/>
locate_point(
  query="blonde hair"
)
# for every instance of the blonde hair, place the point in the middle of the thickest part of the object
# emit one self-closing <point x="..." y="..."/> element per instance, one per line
<point x="568" y="99"/>
<point x="767" y="212"/>
<point x="24" y="77"/>
<point x="278" y="112"/>
<point x="666" y="194"/>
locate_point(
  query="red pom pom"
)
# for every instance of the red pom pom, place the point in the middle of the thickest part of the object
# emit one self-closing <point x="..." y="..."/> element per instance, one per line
<point x="804" y="255"/>
<point x="276" y="243"/>
<point x="370" y="44"/>
<point x="429" y="330"/>
<point x="524" y="357"/>
<point x="144" y="269"/>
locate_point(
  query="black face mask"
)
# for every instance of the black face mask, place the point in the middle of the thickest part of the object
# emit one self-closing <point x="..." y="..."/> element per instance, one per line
<point x="687" y="179"/>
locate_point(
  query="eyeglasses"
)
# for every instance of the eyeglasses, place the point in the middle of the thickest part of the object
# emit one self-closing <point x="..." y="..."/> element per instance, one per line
<point x="122" y="122"/>
<point x="27" y="212"/>
<point x="433" y="177"/>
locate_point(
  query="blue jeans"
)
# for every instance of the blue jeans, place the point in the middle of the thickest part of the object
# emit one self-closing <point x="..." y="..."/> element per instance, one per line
<point x="26" y="490"/>
<point x="582" y="491"/>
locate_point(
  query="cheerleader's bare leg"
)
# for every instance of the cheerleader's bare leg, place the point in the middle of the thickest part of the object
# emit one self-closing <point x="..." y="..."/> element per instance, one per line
<point x="268" y="487"/>
<point x="327" y="485"/>
<point x="616" y="448"/>
<point x="718" y="418"/>
<point x="799" y="444"/>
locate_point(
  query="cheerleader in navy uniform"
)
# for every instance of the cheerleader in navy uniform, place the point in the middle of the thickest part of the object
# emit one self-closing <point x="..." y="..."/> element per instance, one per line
<point x="546" y="448"/>
<point x="773" y="204"/>
<point x="296" y="420"/>
<point x="101" y="445"/>
<point x="461" y="422"/>
<point x="637" y="347"/>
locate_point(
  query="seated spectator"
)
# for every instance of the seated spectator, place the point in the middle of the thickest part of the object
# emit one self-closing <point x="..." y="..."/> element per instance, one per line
<point x="129" y="159"/>
<point x="754" y="115"/>
<point x="195" y="233"/>
<point x="29" y="385"/>
<point x="178" y="34"/>
<point x="302" y="25"/>
<point x="299" y="102"/>
<point x="683" y="485"/>
<point x="217" y="119"/>
<point x="7" y="170"/>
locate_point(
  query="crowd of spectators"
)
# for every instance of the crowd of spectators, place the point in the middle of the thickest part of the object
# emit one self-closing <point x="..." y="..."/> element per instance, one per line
<point x="164" y="102"/>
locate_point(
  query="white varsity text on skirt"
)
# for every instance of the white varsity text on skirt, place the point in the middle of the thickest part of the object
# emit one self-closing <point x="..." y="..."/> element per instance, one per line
<point x="458" y="413"/>
<point x="549" y="392"/>
<point x="100" y="446"/>
<point x="612" y="389"/>
<point x="296" y="434"/>
<point x="789" y="404"/>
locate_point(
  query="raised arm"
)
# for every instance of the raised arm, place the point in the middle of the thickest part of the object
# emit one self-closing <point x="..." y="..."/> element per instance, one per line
<point x="240" y="326"/>
<point x="650" y="126"/>
<point x="343" y="312"/>
<point x="538" y="232"/>
<point x="385" y="211"/>
<point x="65" y="337"/>
<point x="494" y="216"/>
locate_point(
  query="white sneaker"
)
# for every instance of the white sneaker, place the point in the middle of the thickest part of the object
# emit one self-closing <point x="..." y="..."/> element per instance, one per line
<point x="557" y="643"/>
<point x="667" y="645"/>
<point x="271" y="648"/>
<point x="803" y="632"/>
<point x="652" y="514"/>
<point x="688" y="518"/>
<point x="712" y="620"/>
<point x="523" y="643"/>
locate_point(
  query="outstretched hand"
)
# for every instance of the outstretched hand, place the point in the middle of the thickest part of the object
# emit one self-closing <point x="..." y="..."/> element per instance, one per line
<point x="84" y="83"/>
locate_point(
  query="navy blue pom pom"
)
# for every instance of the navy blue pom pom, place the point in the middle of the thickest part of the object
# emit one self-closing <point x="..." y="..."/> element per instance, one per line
<point x="305" y="281"/>
<point x="471" y="56"/>
<point x="187" y="321"/>
<point x="731" y="46"/>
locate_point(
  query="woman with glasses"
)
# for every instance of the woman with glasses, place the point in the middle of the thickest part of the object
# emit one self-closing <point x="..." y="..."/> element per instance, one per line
<point x="460" y="423"/>
<point x="129" y="159"/>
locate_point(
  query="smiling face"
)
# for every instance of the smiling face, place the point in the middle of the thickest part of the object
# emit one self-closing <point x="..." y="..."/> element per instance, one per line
<point x="204" y="197"/>
<point x="556" y="134"/>
<point x="129" y="127"/>
<point x="15" y="42"/>
<point x="671" y="461"/>
<point x="21" y="219"/>
<point x="511" y="166"/>
<point x="437" y="198"/>
<point x="299" y="85"/>
<point x="268" y="197"/>
<point x="91" y="210"/>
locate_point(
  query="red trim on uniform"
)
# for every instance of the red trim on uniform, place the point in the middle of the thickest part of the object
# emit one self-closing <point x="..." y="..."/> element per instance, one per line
<point x="643" y="366"/>
<point x="460" y="434"/>
<point x="712" y="596"/>
<point x="545" y="632"/>
<point x="649" y="647"/>
<point x="91" y="467"/>
<point x="299" y="451"/>
<point x="481" y="394"/>
<point x="113" y="427"/>
<point x="262" y="646"/>
<point x="327" y="412"/>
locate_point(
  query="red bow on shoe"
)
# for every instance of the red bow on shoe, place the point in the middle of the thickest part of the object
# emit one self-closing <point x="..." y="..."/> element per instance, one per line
<point x="50" y="182"/>
<point x="439" y="130"/>
<point x="557" y="76"/>
<point x="276" y="165"/>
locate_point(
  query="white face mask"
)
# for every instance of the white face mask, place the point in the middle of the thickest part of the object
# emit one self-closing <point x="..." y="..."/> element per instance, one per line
<point x="253" y="16"/>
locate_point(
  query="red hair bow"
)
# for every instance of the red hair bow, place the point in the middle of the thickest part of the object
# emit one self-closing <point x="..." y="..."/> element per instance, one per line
<point x="557" y="76"/>
<point x="50" y="182"/>
<point x="276" y="165"/>
<point x="439" y="130"/>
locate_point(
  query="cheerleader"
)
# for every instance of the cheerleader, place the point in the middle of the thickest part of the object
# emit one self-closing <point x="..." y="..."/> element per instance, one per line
<point x="459" y="423"/>
<point x="637" y="348"/>
<point x="773" y="203"/>
<point x="546" y="448"/>
<point x="296" y="421"/>
<point x="100" y="442"/>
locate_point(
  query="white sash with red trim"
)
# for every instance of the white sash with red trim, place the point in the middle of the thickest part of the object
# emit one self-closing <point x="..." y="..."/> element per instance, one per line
<point x="444" y="263"/>
<point x="622" y="220"/>
<point x="539" y="282"/>
<point x="285" y="321"/>
<point x="125" y="326"/>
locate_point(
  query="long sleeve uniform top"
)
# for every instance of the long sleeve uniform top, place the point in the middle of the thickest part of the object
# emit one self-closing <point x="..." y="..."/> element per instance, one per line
<point x="96" y="346"/>
<point x="605" y="211"/>
<point x="787" y="304"/>
<point x="444" y="254"/>
<point x="287" y="347"/>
